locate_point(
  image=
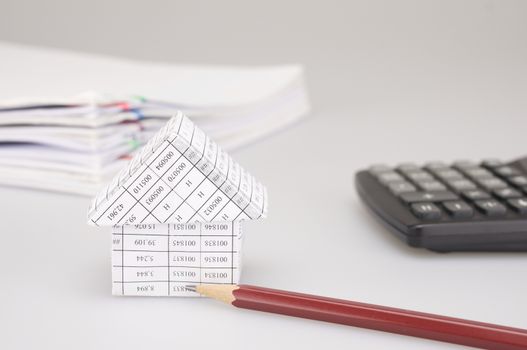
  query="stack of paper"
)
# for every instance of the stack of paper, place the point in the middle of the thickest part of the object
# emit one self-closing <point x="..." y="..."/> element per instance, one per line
<point x="69" y="121"/>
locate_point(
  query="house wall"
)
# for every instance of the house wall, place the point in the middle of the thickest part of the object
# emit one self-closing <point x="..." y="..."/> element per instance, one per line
<point x="161" y="259"/>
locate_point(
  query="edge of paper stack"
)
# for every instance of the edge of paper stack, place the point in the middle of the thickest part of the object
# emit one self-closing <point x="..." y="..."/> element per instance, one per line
<point x="69" y="122"/>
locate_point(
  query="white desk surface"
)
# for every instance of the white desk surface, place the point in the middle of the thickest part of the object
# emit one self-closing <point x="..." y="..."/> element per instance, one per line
<point x="449" y="83"/>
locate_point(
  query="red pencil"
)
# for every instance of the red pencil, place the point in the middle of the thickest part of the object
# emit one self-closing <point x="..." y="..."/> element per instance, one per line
<point x="382" y="318"/>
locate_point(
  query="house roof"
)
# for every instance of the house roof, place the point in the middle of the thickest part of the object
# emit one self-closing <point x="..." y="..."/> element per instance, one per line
<point x="179" y="176"/>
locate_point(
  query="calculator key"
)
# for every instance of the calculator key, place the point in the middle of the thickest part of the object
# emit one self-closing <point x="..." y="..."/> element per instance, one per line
<point x="428" y="196"/>
<point x="492" y="163"/>
<point x="506" y="193"/>
<point x="447" y="174"/>
<point x="519" y="180"/>
<point x="478" y="173"/>
<point x="431" y="185"/>
<point x="434" y="166"/>
<point x="458" y="209"/>
<point x="491" y="207"/>
<point x="506" y="171"/>
<point x="379" y="168"/>
<point x="492" y="183"/>
<point x="426" y="211"/>
<point x="420" y="176"/>
<point x="519" y="205"/>
<point x="473" y="195"/>
<point x="462" y="185"/>
<point x="389" y="177"/>
<point x="408" y="167"/>
<point x="465" y="164"/>
<point x="401" y="187"/>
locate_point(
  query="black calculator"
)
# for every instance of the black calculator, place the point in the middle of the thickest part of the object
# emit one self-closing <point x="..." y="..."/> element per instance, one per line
<point x="464" y="206"/>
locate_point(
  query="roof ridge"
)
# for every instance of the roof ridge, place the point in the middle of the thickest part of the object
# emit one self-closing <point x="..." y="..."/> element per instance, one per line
<point x="227" y="192"/>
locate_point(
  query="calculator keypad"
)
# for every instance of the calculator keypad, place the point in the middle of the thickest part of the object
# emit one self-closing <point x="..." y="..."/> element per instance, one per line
<point x="426" y="211"/>
<point x="389" y="177"/>
<point x="431" y="185"/>
<point x="430" y="196"/>
<point x="420" y="176"/>
<point x="473" y="195"/>
<point x="492" y="183"/>
<point x="460" y="185"/>
<point x="519" y="204"/>
<point x="506" y="193"/>
<point x="448" y="174"/>
<point x="438" y="191"/>
<point x="478" y="173"/>
<point x="401" y="187"/>
<point x="458" y="209"/>
<point x="519" y="181"/>
<point x="491" y="207"/>
<point x="507" y="171"/>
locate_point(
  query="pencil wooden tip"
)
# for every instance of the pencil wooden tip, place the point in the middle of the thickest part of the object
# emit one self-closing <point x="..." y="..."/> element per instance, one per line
<point x="221" y="292"/>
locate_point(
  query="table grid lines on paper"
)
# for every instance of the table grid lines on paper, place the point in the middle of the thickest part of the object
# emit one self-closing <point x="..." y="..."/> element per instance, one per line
<point x="163" y="259"/>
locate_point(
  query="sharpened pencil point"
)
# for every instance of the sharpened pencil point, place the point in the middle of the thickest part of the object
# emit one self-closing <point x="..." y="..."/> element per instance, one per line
<point x="221" y="292"/>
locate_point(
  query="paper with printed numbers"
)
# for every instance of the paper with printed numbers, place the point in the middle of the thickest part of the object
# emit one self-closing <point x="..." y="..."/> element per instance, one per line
<point x="176" y="214"/>
<point x="162" y="259"/>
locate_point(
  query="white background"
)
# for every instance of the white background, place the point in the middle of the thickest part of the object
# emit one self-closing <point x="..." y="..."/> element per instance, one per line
<point x="390" y="81"/>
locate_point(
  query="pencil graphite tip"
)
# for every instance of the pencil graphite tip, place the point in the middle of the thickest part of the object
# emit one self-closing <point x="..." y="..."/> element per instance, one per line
<point x="191" y="288"/>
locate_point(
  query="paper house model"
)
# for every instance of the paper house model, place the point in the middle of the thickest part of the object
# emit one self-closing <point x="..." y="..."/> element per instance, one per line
<point x="176" y="214"/>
